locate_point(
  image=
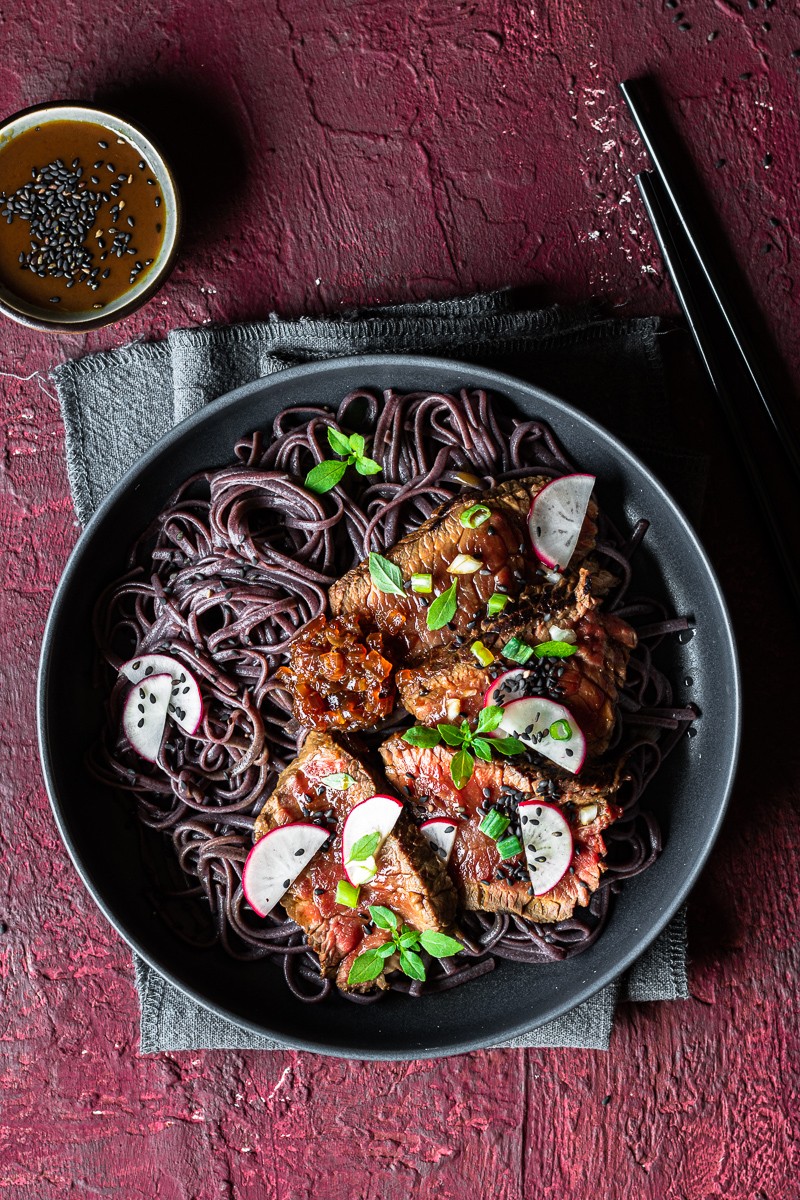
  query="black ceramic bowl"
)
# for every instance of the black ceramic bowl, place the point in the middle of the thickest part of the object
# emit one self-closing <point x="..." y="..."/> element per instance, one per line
<point x="689" y="794"/>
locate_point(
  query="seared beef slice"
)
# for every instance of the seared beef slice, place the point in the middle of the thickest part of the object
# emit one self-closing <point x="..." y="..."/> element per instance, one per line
<point x="410" y="879"/>
<point x="481" y="877"/>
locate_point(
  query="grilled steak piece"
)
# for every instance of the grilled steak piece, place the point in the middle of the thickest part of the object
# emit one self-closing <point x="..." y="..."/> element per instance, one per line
<point x="410" y="880"/>
<point x="450" y="684"/>
<point x="501" y="544"/>
<point x="481" y="877"/>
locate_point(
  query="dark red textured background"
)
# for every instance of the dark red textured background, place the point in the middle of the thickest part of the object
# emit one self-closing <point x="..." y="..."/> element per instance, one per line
<point x="341" y="151"/>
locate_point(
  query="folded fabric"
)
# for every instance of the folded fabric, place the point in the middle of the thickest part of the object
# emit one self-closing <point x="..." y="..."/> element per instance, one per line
<point x="118" y="403"/>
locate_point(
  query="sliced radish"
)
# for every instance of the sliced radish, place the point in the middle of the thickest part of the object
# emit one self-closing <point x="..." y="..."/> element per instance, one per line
<point x="548" y="728"/>
<point x="441" y="833"/>
<point x="511" y="685"/>
<point x="556" y="518"/>
<point x="275" y="862"/>
<point x="547" y="839"/>
<point x="145" y="714"/>
<point x="378" y="815"/>
<point x="186" y="703"/>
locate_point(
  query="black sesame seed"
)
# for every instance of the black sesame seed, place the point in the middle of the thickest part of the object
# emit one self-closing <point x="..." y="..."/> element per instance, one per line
<point x="286" y="883"/>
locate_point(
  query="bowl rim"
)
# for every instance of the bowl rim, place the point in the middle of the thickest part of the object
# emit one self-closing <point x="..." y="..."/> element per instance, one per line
<point x="496" y="381"/>
<point x="52" y="108"/>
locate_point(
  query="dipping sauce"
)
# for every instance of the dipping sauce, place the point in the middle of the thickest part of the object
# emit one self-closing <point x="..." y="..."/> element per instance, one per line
<point x="81" y="216"/>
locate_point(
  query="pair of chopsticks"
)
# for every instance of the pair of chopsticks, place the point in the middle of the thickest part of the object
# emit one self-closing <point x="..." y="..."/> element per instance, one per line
<point x="724" y="337"/>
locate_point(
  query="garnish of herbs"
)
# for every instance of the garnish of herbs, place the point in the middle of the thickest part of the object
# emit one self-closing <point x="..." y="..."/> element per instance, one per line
<point x="471" y="743"/>
<point x="326" y="474"/>
<point x="404" y="942"/>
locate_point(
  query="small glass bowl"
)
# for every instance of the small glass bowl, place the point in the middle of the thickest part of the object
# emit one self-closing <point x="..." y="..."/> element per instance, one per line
<point x="131" y="299"/>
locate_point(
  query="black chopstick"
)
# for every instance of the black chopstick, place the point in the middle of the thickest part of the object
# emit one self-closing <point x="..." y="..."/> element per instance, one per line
<point x="670" y="174"/>
<point x="711" y="335"/>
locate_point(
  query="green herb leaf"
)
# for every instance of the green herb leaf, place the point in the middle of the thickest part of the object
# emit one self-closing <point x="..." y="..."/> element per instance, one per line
<point x="554" y="649"/>
<point x="411" y="964"/>
<point x="482" y="748"/>
<point x="384" y="918"/>
<point x="461" y="768"/>
<point x="386" y="950"/>
<point x="368" y="466"/>
<point x="443" y="609"/>
<point x="325" y="475"/>
<point x="341" y="781"/>
<point x="339" y="443"/>
<point x="408" y="938"/>
<point x="355" y="445"/>
<point x="509" y="745"/>
<point x="366" y="967"/>
<point x="365" y="846"/>
<point x="489" y="718"/>
<point x="453" y="736"/>
<point x="439" y="945"/>
<point x="418" y="735"/>
<point x="385" y="575"/>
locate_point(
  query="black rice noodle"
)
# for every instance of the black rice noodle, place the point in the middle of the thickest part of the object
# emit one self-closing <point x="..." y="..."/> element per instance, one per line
<point x="239" y="560"/>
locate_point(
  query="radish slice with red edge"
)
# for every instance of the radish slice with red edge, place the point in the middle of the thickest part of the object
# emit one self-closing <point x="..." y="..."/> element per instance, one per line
<point x="186" y="703"/>
<point x="275" y="862"/>
<point x="556" y="518"/>
<point x="144" y="714"/>
<point x="441" y="833"/>
<point x="547" y="840"/>
<point x="511" y="685"/>
<point x="376" y="815"/>
<point x="548" y="728"/>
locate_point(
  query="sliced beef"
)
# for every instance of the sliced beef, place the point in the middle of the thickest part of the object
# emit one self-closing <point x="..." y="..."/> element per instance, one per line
<point x="502" y="544"/>
<point x="450" y="683"/>
<point x="410" y="880"/>
<point x="482" y="879"/>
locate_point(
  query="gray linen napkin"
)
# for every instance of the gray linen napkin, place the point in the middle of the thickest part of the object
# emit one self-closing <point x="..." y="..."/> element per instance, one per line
<point x="118" y="403"/>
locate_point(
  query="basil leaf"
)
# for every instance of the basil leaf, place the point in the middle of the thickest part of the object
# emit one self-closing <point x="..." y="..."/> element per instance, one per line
<point x="364" y="847"/>
<point x="554" y="649"/>
<point x="385" y="575"/>
<point x="453" y="736"/>
<point x="408" y="938"/>
<point x="325" y="475"/>
<point x="418" y="735"/>
<point x="366" y="967"/>
<point x="355" y="445"/>
<point x="368" y="466"/>
<point x="443" y="609"/>
<point x="461" y="768"/>
<point x="439" y="944"/>
<point x="384" y="918"/>
<point x="341" y="781"/>
<point x="509" y="745"/>
<point x="489" y="718"/>
<point x="386" y="950"/>
<point x="338" y="442"/>
<point x="482" y="748"/>
<point x="411" y="964"/>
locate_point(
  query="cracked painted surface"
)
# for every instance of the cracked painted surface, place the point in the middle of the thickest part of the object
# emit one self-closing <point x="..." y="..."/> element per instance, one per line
<point x="374" y="151"/>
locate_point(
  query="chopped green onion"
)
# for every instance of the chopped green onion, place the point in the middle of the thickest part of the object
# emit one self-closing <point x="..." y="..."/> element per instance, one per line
<point x="509" y="847"/>
<point x="422" y="583"/>
<point x="483" y="655"/>
<point x="561" y="731"/>
<point x="517" y="651"/>
<point x="347" y="894"/>
<point x="554" y="649"/>
<point x="475" y="515"/>
<point x="494" y="824"/>
<point x="497" y="602"/>
<point x="464" y="564"/>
